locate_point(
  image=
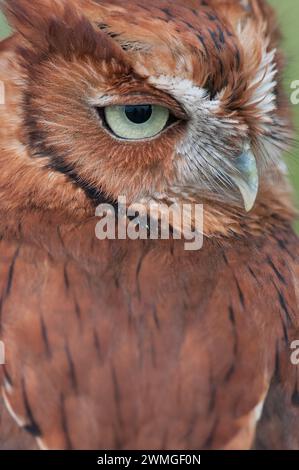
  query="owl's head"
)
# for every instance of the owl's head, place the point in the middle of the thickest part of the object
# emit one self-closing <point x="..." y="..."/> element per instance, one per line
<point x="173" y="100"/>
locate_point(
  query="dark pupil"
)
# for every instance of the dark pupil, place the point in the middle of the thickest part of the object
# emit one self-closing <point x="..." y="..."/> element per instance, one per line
<point x="139" y="114"/>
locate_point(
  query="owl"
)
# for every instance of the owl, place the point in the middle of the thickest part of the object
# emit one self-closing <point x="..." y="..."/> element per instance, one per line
<point x="142" y="344"/>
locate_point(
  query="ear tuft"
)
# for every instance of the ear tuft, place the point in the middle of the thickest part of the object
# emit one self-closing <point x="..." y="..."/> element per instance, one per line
<point x="30" y="19"/>
<point x="56" y="26"/>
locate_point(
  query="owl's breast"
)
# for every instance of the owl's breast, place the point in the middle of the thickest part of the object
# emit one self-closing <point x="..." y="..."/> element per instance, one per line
<point x="143" y="344"/>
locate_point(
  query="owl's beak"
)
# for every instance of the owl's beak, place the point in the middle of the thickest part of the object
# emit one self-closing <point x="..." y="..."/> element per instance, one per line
<point x="247" y="179"/>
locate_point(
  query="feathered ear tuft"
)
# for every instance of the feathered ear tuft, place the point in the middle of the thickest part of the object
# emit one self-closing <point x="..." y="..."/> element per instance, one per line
<point x="31" y="19"/>
<point x="56" y="26"/>
<point x="260" y="11"/>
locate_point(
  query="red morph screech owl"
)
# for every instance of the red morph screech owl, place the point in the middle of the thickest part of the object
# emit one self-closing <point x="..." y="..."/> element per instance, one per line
<point x="141" y="344"/>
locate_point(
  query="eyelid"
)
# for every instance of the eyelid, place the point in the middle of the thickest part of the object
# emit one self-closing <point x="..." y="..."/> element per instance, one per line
<point x="142" y="98"/>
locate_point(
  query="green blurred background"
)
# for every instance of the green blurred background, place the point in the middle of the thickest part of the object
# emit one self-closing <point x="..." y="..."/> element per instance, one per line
<point x="288" y="11"/>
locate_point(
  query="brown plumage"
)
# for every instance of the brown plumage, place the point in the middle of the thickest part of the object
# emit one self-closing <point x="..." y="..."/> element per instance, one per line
<point x="141" y="344"/>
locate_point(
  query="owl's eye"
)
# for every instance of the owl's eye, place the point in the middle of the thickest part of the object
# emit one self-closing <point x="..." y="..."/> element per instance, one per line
<point x="136" y="122"/>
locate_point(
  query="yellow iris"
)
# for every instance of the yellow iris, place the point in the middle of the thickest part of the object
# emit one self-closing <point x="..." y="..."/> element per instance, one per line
<point x="136" y="122"/>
